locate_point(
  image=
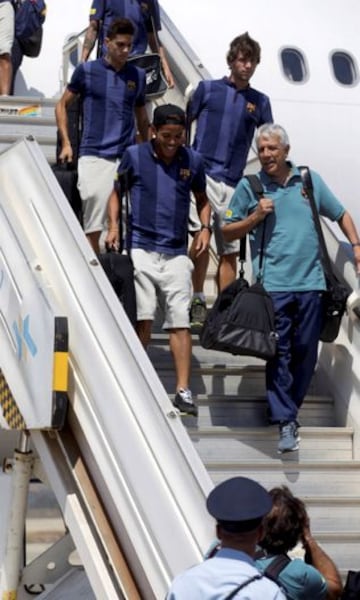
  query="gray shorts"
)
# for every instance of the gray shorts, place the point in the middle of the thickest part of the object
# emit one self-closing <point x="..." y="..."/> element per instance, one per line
<point x="164" y="279"/>
<point x="219" y="195"/>
<point x="95" y="183"/>
<point x="6" y="27"/>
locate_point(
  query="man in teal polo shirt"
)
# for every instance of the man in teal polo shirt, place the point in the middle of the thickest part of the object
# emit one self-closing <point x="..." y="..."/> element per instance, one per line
<point x="292" y="271"/>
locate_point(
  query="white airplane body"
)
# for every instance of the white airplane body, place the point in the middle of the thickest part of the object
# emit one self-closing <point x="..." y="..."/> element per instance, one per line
<point x="321" y="114"/>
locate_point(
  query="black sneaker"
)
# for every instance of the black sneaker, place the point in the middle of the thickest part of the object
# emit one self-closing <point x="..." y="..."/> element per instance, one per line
<point x="198" y="312"/>
<point x="184" y="402"/>
<point x="289" y="439"/>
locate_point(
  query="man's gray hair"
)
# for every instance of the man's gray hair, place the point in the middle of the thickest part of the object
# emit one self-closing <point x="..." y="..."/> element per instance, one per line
<point x="269" y="129"/>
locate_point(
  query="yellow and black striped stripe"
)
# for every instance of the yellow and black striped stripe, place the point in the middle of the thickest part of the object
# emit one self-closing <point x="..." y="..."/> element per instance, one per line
<point x="60" y="372"/>
<point x="10" y="409"/>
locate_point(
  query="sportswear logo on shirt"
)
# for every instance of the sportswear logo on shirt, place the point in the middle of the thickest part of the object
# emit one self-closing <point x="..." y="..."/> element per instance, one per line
<point x="184" y="174"/>
<point x="250" y="107"/>
<point x="131" y="85"/>
<point x="92" y="11"/>
<point x="228" y="213"/>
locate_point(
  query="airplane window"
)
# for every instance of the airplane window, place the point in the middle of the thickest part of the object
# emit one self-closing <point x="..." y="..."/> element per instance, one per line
<point x="293" y="65"/>
<point x="344" y="68"/>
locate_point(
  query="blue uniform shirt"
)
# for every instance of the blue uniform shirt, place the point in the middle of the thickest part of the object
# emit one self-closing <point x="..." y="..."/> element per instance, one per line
<point x="109" y="98"/>
<point x="300" y="580"/>
<point x="226" y="121"/>
<point x="160" y="197"/>
<point x="217" y="577"/>
<point x="291" y="253"/>
<point x="137" y="11"/>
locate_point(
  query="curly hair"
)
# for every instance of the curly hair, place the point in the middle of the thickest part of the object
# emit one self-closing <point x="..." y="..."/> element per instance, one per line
<point x="243" y="43"/>
<point x="284" y="524"/>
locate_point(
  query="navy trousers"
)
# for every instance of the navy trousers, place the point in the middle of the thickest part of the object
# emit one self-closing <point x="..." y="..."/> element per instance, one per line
<point x="288" y="374"/>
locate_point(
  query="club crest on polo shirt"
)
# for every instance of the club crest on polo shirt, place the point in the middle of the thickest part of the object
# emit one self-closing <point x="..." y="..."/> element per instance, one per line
<point x="131" y="85"/>
<point x="184" y="174"/>
<point x="250" y="107"/>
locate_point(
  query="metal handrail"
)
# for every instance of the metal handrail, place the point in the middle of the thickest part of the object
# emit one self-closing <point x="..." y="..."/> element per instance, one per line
<point x="74" y="43"/>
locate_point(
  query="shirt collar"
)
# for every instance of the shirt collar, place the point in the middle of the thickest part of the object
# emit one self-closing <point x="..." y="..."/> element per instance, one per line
<point x="226" y="79"/>
<point x="235" y="555"/>
<point x="179" y="156"/>
<point x="268" y="181"/>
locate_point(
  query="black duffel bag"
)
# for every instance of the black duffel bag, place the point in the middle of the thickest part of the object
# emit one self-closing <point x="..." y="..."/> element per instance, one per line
<point x="242" y="322"/>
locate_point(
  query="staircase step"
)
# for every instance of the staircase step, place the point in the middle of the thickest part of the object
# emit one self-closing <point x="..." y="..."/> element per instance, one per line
<point x="250" y="411"/>
<point x="344" y="549"/>
<point x="339" y="512"/>
<point x="230" y="445"/>
<point x="323" y="478"/>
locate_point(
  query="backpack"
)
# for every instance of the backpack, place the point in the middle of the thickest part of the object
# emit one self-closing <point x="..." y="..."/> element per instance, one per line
<point x="29" y="18"/>
<point x="352" y="586"/>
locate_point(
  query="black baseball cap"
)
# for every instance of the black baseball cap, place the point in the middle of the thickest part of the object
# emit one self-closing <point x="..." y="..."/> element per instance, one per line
<point x="169" y="114"/>
<point x="239" y="504"/>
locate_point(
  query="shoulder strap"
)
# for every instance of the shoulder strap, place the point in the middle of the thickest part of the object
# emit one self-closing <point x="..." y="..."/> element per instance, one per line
<point x="255" y="185"/>
<point x="241" y="586"/>
<point x="122" y="189"/>
<point x="309" y="190"/>
<point x="258" y="190"/>
<point x="276" y="566"/>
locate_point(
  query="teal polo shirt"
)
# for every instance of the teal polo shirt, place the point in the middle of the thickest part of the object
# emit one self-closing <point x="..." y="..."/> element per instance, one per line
<point x="291" y="252"/>
<point x="299" y="580"/>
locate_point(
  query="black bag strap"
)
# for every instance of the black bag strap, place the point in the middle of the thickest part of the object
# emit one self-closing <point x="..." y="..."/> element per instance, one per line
<point x="122" y="189"/>
<point x="258" y="190"/>
<point x="188" y="123"/>
<point x="241" y="586"/>
<point x="309" y="191"/>
<point x="276" y="566"/>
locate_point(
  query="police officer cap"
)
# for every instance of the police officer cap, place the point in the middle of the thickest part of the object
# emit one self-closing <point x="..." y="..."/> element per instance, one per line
<point x="239" y="504"/>
<point x="168" y="114"/>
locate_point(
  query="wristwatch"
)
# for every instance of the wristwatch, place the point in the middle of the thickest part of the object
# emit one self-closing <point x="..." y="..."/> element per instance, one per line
<point x="208" y="227"/>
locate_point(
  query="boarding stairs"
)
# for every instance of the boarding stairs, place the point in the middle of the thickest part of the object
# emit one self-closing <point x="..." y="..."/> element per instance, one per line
<point x="231" y="437"/>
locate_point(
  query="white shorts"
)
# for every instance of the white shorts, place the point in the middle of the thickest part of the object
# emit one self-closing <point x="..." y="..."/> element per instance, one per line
<point x="219" y="195"/>
<point x="95" y="182"/>
<point x="163" y="278"/>
<point x="6" y="27"/>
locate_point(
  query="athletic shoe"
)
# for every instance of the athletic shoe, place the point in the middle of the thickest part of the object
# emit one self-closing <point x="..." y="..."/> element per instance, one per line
<point x="198" y="312"/>
<point x="184" y="402"/>
<point x="289" y="439"/>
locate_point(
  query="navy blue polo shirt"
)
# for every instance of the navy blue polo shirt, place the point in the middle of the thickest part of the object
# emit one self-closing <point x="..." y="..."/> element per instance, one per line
<point x="139" y="12"/>
<point x="226" y="122"/>
<point x="160" y="197"/>
<point x="109" y="98"/>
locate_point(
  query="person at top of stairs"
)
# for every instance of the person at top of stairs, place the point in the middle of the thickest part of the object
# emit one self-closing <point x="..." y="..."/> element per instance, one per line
<point x="285" y="526"/>
<point x="146" y="19"/>
<point x="160" y="175"/>
<point x="292" y="272"/>
<point x="7" y="27"/>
